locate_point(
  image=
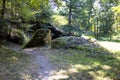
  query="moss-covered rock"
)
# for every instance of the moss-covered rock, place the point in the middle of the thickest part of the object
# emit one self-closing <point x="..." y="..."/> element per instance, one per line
<point x="70" y="42"/>
<point x="16" y="36"/>
<point x="41" y="37"/>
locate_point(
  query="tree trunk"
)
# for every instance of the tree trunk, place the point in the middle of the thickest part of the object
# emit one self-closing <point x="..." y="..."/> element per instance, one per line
<point x="70" y="13"/>
<point x="3" y="8"/>
<point x="0" y="40"/>
<point x="96" y="34"/>
<point x="2" y="16"/>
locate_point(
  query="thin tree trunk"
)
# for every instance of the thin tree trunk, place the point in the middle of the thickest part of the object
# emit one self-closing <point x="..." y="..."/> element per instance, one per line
<point x="70" y="13"/>
<point x="2" y="16"/>
<point x="95" y="29"/>
<point x="97" y="34"/>
<point x="3" y="8"/>
<point x="0" y="38"/>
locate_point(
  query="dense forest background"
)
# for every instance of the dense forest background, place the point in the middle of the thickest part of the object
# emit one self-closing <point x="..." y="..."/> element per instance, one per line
<point x="95" y="18"/>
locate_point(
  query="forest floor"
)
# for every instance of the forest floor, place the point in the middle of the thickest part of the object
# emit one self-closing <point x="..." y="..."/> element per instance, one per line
<point x="40" y="67"/>
<point x="52" y="64"/>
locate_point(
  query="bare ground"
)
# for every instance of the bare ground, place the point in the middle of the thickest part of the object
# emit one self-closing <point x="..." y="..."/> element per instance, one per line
<point x="44" y="67"/>
<point x="111" y="46"/>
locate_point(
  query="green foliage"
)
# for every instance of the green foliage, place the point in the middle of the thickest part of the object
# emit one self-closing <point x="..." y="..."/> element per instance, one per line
<point x="29" y="10"/>
<point x="25" y="9"/>
<point x="115" y="38"/>
<point x="104" y="19"/>
<point x="44" y="14"/>
<point x="104" y="22"/>
<point x="116" y="10"/>
<point x="59" y="20"/>
<point x="91" y="15"/>
<point x="84" y="15"/>
<point x="81" y="12"/>
<point x="76" y="31"/>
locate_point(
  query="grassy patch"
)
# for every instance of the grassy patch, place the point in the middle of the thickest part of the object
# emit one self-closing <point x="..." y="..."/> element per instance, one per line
<point x="11" y="63"/>
<point x="114" y="38"/>
<point x="87" y="63"/>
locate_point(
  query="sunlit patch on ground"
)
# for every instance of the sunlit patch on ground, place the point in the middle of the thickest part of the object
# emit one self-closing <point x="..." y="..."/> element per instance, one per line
<point x="111" y="46"/>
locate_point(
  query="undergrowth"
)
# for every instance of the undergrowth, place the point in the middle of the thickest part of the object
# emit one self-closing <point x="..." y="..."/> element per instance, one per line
<point x="12" y="63"/>
<point x="87" y="63"/>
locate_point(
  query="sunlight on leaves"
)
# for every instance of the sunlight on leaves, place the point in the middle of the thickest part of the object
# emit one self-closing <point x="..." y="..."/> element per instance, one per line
<point x="59" y="20"/>
<point x="106" y="67"/>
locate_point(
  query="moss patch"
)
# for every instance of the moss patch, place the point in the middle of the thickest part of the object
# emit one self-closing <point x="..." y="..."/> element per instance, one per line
<point x="41" y="37"/>
<point x="71" y="42"/>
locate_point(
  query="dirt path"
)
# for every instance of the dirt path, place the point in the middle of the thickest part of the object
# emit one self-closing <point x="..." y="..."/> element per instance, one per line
<point x="111" y="46"/>
<point x="45" y="69"/>
<point x="40" y="68"/>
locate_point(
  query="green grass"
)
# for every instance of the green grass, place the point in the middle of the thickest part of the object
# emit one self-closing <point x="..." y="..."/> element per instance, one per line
<point x="11" y="63"/>
<point x="87" y="64"/>
<point x="114" y="38"/>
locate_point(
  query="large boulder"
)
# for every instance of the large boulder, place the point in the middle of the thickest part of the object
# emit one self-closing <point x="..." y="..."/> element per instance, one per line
<point x="71" y="42"/>
<point x="16" y="36"/>
<point x="55" y="31"/>
<point x="41" y="37"/>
